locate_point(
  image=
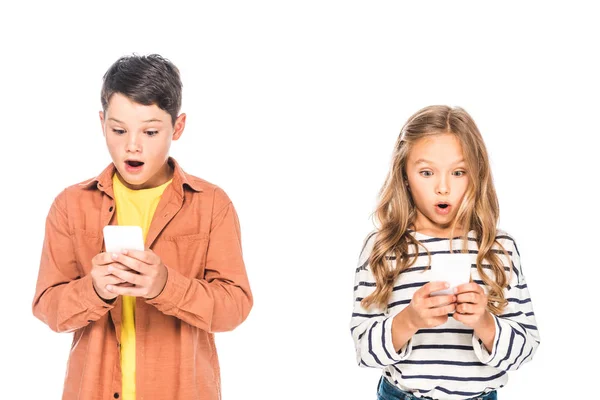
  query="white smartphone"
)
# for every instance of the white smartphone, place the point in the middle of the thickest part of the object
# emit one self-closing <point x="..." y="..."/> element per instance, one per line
<point x="120" y="237"/>
<point x="452" y="268"/>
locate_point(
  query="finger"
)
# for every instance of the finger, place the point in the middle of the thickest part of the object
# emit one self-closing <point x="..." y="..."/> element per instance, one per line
<point x="439" y="301"/>
<point x="127" y="276"/>
<point x="468" y="287"/>
<point x="131" y="263"/>
<point x="437" y="321"/>
<point x="467" y="319"/>
<point x="126" y="284"/>
<point x="127" y="291"/>
<point x="121" y="267"/>
<point x="99" y="271"/>
<point x="112" y="280"/>
<point x="440" y="311"/>
<point x="468" y="297"/>
<point x="102" y="259"/>
<point x="147" y="256"/>
<point x="431" y="287"/>
<point x="464" y="318"/>
<point x="465" y="308"/>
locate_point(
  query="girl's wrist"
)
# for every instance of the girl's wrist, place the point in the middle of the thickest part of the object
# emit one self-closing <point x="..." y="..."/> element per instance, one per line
<point x="404" y="320"/>
<point x="486" y="325"/>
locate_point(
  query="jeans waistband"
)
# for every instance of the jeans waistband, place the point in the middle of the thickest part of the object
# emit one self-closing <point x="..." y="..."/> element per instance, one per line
<point x="388" y="391"/>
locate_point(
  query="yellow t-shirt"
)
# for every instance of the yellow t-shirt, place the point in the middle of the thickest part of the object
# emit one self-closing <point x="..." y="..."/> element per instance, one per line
<point x="134" y="207"/>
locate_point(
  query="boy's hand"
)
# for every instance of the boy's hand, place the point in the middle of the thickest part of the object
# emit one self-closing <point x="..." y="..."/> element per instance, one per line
<point x="426" y="311"/>
<point x="471" y="308"/>
<point x="101" y="277"/>
<point x="145" y="272"/>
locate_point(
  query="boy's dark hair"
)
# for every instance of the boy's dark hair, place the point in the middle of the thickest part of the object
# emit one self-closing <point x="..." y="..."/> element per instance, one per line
<point x="146" y="80"/>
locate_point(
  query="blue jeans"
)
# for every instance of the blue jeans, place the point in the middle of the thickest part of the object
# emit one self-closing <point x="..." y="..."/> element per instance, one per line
<point x="388" y="391"/>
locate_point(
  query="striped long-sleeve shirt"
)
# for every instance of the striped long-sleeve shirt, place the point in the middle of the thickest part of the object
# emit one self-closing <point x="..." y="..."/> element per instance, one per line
<point x="448" y="361"/>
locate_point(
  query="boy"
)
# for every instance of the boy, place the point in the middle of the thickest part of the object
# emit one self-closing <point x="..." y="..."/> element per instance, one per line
<point x="143" y="321"/>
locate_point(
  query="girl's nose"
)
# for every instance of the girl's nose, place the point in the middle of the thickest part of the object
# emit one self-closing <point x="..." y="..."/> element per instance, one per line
<point x="442" y="188"/>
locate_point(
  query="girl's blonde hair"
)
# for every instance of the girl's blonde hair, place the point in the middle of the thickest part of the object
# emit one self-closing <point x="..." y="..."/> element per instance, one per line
<point x="395" y="213"/>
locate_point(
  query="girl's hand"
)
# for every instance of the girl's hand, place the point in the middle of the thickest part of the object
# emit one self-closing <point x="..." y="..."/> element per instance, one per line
<point x="471" y="308"/>
<point x="425" y="311"/>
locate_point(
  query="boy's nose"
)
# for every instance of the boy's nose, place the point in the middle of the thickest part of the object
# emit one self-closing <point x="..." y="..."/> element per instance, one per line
<point x="133" y="145"/>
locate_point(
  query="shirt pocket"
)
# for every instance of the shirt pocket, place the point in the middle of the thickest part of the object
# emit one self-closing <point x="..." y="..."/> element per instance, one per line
<point x="185" y="253"/>
<point x="87" y="244"/>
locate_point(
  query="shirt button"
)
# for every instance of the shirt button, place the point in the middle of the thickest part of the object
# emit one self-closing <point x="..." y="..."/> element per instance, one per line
<point x="116" y="396"/>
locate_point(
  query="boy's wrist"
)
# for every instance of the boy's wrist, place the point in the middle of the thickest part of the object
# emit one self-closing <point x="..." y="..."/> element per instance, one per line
<point x="107" y="301"/>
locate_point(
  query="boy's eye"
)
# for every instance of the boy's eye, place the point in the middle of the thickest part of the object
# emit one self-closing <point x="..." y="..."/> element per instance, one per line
<point x="119" y="131"/>
<point x="426" y="173"/>
<point x="151" y="133"/>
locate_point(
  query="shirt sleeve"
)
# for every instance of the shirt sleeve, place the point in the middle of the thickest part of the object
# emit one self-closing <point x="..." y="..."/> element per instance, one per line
<point x="222" y="299"/>
<point x="64" y="300"/>
<point x="517" y="337"/>
<point x="371" y="328"/>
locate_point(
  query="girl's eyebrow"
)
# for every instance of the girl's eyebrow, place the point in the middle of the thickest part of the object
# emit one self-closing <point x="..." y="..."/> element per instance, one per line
<point x="424" y="161"/>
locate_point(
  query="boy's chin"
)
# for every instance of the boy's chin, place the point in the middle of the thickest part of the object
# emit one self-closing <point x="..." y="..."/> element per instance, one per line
<point x="130" y="179"/>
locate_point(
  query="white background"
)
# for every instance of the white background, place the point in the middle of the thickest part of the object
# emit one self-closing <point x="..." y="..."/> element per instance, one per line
<point x="293" y="109"/>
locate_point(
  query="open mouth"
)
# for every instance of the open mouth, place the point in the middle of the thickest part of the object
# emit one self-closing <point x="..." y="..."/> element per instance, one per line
<point x="134" y="164"/>
<point x="443" y="205"/>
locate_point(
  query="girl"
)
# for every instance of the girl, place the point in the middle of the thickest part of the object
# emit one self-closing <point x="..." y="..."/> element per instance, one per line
<point x="438" y="199"/>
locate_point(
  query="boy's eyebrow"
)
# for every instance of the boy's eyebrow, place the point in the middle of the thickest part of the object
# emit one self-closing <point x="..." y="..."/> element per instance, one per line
<point x="148" y="120"/>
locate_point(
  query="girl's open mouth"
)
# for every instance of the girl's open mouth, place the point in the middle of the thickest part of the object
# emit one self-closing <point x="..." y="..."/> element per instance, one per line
<point x="443" y="208"/>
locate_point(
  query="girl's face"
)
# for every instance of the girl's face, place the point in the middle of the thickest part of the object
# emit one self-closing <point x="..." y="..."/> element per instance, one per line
<point x="438" y="180"/>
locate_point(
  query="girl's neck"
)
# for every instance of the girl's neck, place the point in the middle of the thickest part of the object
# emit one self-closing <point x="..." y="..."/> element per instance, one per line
<point x="439" y="232"/>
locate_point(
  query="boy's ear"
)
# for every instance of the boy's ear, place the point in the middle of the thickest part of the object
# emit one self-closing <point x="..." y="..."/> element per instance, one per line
<point x="101" y="114"/>
<point x="179" y="126"/>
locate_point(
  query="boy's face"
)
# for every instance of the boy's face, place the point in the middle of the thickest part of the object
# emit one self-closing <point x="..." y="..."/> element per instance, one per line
<point x="138" y="138"/>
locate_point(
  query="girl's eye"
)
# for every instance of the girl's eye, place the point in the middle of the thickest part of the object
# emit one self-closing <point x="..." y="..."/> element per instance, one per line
<point x="151" y="133"/>
<point x="426" y="173"/>
<point x="459" y="173"/>
<point x="118" y="131"/>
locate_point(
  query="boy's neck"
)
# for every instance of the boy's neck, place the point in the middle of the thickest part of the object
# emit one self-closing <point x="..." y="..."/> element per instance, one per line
<point x="164" y="175"/>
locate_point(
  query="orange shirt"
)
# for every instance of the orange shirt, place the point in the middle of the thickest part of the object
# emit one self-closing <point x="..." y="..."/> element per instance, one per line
<point x="196" y="233"/>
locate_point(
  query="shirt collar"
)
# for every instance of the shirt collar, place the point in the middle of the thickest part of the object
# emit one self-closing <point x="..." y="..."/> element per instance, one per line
<point x="180" y="179"/>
